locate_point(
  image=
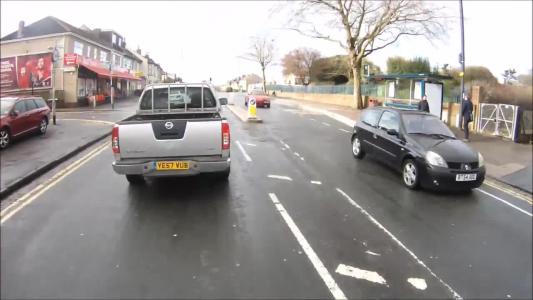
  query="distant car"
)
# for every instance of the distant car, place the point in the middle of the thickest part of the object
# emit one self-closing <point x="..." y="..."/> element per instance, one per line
<point x="421" y="146"/>
<point x="20" y="115"/>
<point x="261" y="98"/>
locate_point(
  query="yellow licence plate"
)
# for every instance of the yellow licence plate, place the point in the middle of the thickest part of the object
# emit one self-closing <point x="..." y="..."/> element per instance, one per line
<point x="172" y="165"/>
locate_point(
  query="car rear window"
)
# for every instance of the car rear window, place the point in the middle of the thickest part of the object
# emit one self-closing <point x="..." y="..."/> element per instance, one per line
<point x="40" y="102"/>
<point x="178" y="98"/>
<point x="371" y="116"/>
<point x="30" y="105"/>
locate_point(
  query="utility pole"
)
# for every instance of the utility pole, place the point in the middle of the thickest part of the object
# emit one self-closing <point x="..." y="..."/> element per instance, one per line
<point x="462" y="55"/>
<point x="111" y="81"/>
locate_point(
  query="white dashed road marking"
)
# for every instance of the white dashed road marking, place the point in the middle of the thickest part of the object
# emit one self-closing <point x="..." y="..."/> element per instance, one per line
<point x="243" y="151"/>
<point x="316" y="182"/>
<point x="313" y="257"/>
<point x="280" y="177"/>
<point x="326" y="124"/>
<point x="248" y="144"/>
<point x="395" y="239"/>
<point x="418" y="283"/>
<point x="344" y="130"/>
<point x="360" y="274"/>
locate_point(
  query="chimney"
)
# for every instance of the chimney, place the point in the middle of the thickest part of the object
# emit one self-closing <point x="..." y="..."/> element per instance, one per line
<point x="138" y="51"/>
<point x="19" y="31"/>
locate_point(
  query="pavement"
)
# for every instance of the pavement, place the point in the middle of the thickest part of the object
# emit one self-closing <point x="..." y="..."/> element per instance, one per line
<point x="506" y="161"/>
<point x="299" y="218"/>
<point x="75" y="130"/>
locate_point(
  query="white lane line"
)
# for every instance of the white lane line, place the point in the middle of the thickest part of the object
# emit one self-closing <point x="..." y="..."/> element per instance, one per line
<point x="344" y="130"/>
<point x="326" y="124"/>
<point x="360" y="274"/>
<point x="316" y="182"/>
<point x="280" y="177"/>
<point x="503" y="201"/>
<point x="28" y="198"/>
<point x="297" y="154"/>
<point x="419" y="283"/>
<point x="315" y="260"/>
<point x="302" y="158"/>
<point x="373" y="220"/>
<point x="248" y="144"/>
<point x="243" y="152"/>
<point x="284" y="144"/>
<point x="312" y="119"/>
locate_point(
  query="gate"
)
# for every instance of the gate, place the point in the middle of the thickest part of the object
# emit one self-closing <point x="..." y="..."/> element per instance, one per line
<point x="498" y="119"/>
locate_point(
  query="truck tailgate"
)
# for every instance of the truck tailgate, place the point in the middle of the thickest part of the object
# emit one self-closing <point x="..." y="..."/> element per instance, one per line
<point x="170" y="138"/>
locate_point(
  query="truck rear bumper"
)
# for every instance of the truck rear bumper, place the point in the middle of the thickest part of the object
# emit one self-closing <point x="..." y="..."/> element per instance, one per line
<point x="148" y="168"/>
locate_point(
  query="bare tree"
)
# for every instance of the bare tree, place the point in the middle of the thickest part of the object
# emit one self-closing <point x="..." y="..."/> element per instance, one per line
<point x="261" y="51"/>
<point x="367" y="26"/>
<point x="299" y="62"/>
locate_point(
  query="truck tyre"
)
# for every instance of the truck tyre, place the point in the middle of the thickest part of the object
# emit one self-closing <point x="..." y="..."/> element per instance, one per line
<point x="135" y="179"/>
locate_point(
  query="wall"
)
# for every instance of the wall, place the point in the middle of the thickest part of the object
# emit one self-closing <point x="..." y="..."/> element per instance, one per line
<point x="335" y="99"/>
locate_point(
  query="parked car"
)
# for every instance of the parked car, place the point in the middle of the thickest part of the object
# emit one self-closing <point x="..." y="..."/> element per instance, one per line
<point x="21" y="115"/>
<point x="419" y="145"/>
<point x="261" y="98"/>
<point x="177" y="131"/>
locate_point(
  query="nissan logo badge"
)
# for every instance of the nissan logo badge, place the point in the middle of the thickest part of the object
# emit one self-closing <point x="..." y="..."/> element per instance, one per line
<point x="467" y="167"/>
<point x="169" y="125"/>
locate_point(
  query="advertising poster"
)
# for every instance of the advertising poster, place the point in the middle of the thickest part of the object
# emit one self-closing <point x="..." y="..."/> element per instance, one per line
<point x="36" y="68"/>
<point x="8" y="74"/>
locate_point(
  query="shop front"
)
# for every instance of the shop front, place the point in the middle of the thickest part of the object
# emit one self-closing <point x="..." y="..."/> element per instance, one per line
<point x="94" y="81"/>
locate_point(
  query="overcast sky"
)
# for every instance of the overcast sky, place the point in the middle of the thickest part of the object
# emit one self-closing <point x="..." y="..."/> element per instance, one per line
<point x="202" y="39"/>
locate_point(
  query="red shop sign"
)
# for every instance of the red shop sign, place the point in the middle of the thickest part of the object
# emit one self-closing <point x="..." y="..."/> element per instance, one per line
<point x="70" y="59"/>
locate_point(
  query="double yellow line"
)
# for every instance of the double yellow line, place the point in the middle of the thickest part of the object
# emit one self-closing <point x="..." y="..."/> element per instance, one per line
<point x="29" y="197"/>
<point x="518" y="195"/>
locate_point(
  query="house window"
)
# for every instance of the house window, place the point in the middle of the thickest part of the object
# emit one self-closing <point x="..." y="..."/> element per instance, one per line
<point x="95" y="55"/>
<point x="103" y="56"/>
<point x="114" y="39"/>
<point x="88" y="51"/>
<point x="78" y="48"/>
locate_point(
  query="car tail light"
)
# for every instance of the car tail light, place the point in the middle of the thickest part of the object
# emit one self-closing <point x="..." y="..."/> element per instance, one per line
<point x="225" y="135"/>
<point x="114" y="139"/>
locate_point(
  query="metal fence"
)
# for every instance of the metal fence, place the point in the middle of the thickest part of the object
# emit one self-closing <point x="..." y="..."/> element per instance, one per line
<point x="366" y="89"/>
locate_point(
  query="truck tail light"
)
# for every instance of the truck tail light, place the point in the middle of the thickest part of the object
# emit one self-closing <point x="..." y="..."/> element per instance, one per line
<point x="225" y="135"/>
<point x="114" y="139"/>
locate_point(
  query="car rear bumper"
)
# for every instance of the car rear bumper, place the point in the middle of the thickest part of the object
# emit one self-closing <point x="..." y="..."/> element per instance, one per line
<point x="148" y="168"/>
<point x="445" y="179"/>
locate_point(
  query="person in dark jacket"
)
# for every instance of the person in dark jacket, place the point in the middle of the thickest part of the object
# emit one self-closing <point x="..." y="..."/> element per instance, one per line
<point x="423" y="105"/>
<point x="466" y="115"/>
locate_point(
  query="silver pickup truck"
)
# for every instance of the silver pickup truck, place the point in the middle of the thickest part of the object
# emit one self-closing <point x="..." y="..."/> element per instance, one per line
<point x="177" y="131"/>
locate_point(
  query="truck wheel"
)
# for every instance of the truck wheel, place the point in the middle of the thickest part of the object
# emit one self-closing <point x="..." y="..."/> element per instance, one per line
<point x="135" y="179"/>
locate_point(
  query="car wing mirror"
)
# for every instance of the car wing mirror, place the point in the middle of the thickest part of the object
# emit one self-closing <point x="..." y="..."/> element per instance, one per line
<point x="392" y="132"/>
<point x="14" y="113"/>
<point x="223" y="101"/>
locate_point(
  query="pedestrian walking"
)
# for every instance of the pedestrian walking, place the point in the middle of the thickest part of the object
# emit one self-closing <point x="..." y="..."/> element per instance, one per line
<point x="466" y="115"/>
<point x="423" y="105"/>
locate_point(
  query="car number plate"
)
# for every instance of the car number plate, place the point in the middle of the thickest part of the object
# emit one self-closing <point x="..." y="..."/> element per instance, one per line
<point x="172" y="165"/>
<point x="465" y="177"/>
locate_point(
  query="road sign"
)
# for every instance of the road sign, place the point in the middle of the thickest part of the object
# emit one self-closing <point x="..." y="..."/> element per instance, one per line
<point x="252" y="108"/>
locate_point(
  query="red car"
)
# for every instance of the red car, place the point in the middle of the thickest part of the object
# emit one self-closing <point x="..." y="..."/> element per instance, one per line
<point x="261" y="98"/>
<point x="20" y="115"/>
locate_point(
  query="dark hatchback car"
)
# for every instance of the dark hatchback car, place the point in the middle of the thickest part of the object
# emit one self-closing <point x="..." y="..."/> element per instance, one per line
<point x="20" y="115"/>
<point x="421" y="146"/>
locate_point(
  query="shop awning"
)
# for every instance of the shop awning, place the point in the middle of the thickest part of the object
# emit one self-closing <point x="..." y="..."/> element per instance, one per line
<point x="104" y="72"/>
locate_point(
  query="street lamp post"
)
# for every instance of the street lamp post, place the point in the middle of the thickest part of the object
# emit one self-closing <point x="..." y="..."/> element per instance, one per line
<point x="462" y="55"/>
<point x="111" y="80"/>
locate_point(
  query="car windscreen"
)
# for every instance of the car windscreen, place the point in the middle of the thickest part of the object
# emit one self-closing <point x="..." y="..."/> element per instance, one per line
<point x="425" y="124"/>
<point x="5" y="106"/>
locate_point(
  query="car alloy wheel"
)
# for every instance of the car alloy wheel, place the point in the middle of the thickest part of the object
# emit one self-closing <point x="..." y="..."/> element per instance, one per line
<point x="356" y="148"/>
<point x="4" y="138"/>
<point x="410" y="174"/>
<point x="43" y="126"/>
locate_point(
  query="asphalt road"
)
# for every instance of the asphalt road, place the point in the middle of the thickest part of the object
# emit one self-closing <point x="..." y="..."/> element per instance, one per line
<point x="298" y="218"/>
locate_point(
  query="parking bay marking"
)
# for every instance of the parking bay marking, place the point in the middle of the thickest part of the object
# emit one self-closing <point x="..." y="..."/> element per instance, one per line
<point x="29" y="197"/>
<point x="505" y="202"/>
<point x="313" y="257"/>
<point x="246" y="156"/>
<point x="378" y="224"/>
